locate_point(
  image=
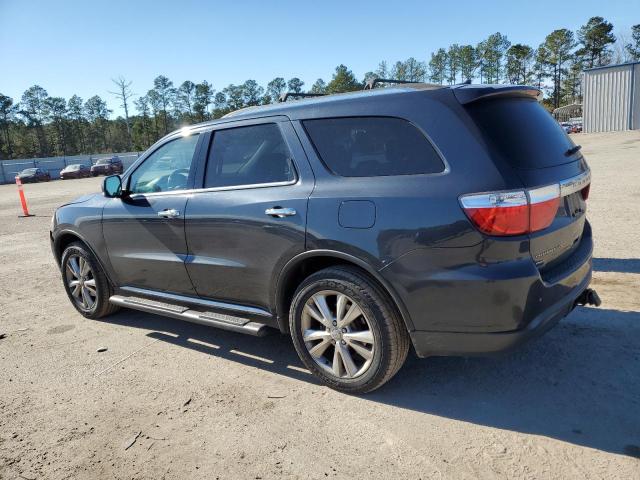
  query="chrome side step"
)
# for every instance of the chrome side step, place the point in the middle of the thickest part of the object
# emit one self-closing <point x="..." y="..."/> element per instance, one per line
<point x="211" y="319"/>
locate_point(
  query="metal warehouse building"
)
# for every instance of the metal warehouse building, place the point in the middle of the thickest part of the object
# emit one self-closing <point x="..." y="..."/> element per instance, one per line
<point x="611" y="98"/>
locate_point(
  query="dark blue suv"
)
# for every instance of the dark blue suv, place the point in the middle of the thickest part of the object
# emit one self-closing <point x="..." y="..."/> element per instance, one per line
<point x="447" y="218"/>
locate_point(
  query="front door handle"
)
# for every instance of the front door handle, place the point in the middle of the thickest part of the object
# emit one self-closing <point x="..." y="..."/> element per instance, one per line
<point x="280" y="212"/>
<point x="169" y="213"/>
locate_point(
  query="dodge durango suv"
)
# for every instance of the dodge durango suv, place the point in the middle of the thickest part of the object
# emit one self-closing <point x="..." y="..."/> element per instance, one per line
<point x="450" y="220"/>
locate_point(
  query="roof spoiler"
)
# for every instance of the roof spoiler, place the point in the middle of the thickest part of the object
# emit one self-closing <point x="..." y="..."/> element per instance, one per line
<point x="473" y="93"/>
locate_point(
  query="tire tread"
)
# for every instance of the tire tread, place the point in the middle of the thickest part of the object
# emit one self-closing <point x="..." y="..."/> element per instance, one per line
<point x="394" y="351"/>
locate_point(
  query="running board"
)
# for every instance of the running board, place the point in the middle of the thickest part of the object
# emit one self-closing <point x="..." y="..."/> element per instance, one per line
<point x="211" y="319"/>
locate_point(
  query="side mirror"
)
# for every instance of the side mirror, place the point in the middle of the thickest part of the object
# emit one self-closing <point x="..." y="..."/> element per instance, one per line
<point x="112" y="186"/>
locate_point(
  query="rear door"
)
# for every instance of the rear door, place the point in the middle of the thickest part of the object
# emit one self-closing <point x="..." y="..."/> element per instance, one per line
<point x="523" y="136"/>
<point x="250" y="217"/>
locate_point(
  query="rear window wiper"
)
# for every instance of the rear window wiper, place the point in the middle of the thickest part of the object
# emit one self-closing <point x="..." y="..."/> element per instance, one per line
<point x="573" y="150"/>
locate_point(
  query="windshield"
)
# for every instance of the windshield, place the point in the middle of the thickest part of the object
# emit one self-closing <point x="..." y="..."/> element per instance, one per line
<point x="104" y="161"/>
<point x="28" y="171"/>
<point x="73" y="167"/>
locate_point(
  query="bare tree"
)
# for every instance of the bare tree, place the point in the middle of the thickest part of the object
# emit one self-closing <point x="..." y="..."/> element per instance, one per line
<point x="620" y="52"/>
<point x="124" y="93"/>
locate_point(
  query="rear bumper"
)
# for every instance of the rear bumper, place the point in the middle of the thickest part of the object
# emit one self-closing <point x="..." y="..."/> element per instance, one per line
<point x="459" y="305"/>
<point x="429" y="344"/>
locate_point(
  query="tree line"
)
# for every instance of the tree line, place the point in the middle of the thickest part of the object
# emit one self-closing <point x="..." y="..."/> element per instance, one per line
<point x="40" y="125"/>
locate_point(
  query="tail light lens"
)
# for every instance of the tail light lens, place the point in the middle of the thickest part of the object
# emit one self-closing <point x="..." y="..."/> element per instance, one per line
<point x="513" y="213"/>
<point x="500" y="213"/>
<point x="543" y="206"/>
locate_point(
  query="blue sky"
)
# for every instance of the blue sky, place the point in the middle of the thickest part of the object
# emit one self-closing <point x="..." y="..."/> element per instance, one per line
<point x="78" y="46"/>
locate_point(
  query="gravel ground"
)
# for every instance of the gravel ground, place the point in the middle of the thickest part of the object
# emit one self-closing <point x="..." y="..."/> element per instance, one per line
<point x="174" y="400"/>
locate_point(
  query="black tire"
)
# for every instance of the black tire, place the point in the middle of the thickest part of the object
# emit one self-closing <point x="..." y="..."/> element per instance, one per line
<point x="389" y="332"/>
<point x="104" y="290"/>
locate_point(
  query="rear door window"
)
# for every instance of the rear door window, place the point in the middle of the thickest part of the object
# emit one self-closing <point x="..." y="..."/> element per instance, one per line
<point x="373" y="146"/>
<point x="522" y="132"/>
<point x="253" y="155"/>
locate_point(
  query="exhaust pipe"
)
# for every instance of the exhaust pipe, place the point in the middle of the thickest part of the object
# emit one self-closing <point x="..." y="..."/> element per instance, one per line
<point x="589" y="297"/>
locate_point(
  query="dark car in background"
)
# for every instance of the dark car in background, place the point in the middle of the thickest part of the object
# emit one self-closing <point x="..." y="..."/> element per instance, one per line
<point x="449" y="218"/>
<point x="107" y="166"/>
<point x="32" y="175"/>
<point x="76" y="170"/>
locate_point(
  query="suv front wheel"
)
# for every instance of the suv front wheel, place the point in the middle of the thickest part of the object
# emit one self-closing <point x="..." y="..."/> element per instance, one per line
<point x="85" y="282"/>
<point x="347" y="331"/>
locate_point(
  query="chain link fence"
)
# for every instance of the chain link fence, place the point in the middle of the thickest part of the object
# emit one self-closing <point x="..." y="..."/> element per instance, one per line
<point x="10" y="168"/>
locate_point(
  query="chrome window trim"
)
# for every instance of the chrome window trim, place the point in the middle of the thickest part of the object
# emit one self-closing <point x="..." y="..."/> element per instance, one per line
<point x="214" y="189"/>
<point x="283" y="135"/>
<point x="575" y="184"/>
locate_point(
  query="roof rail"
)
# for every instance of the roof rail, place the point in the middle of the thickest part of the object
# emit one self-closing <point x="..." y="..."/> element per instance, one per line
<point x="285" y="96"/>
<point x="372" y="83"/>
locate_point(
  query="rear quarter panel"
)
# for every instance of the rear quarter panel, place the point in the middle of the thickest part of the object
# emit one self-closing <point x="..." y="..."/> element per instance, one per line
<point x="411" y="211"/>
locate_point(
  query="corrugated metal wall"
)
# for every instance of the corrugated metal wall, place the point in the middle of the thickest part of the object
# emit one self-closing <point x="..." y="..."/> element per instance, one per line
<point x="635" y="115"/>
<point x="611" y="98"/>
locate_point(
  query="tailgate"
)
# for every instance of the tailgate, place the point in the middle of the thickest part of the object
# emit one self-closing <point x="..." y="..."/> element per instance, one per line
<point x="522" y="136"/>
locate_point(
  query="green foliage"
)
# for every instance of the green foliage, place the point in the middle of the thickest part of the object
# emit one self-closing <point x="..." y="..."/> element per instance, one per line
<point x="556" y="52"/>
<point x="519" y="64"/>
<point x="453" y="63"/>
<point x="468" y="62"/>
<point x="295" y="85"/>
<point x="275" y="88"/>
<point x="343" y="80"/>
<point x="7" y="114"/>
<point x="319" y="86"/>
<point x="491" y="53"/>
<point x="185" y="99"/>
<point x="165" y="95"/>
<point x="251" y="93"/>
<point x="203" y="97"/>
<point x="595" y="37"/>
<point x="40" y="125"/>
<point x="634" y="46"/>
<point x="438" y="66"/>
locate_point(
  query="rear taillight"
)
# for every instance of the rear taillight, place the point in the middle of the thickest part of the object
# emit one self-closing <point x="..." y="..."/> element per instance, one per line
<point x="543" y="206"/>
<point x="585" y="192"/>
<point x="521" y="211"/>
<point x="500" y="213"/>
<point x="513" y="213"/>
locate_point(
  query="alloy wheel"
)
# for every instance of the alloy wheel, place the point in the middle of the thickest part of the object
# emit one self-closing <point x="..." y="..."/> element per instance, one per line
<point x="337" y="334"/>
<point x="81" y="282"/>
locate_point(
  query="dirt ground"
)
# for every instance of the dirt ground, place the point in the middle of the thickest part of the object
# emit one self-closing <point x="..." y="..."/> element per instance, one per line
<point x="174" y="400"/>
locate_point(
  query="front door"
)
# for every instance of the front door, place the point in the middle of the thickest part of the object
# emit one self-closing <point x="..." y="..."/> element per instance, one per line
<point x="144" y="230"/>
<point x="250" y="218"/>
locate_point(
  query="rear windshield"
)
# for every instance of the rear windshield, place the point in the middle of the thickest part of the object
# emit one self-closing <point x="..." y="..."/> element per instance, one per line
<point x="523" y="132"/>
<point x="372" y="147"/>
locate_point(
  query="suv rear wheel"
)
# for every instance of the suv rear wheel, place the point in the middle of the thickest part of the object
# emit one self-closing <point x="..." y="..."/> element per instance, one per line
<point x="347" y="331"/>
<point x="85" y="282"/>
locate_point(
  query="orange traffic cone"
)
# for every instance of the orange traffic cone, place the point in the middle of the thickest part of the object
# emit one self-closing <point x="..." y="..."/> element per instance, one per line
<point x="23" y="201"/>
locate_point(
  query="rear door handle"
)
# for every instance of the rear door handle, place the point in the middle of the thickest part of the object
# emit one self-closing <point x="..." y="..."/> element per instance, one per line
<point x="169" y="213"/>
<point x="280" y="212"/>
